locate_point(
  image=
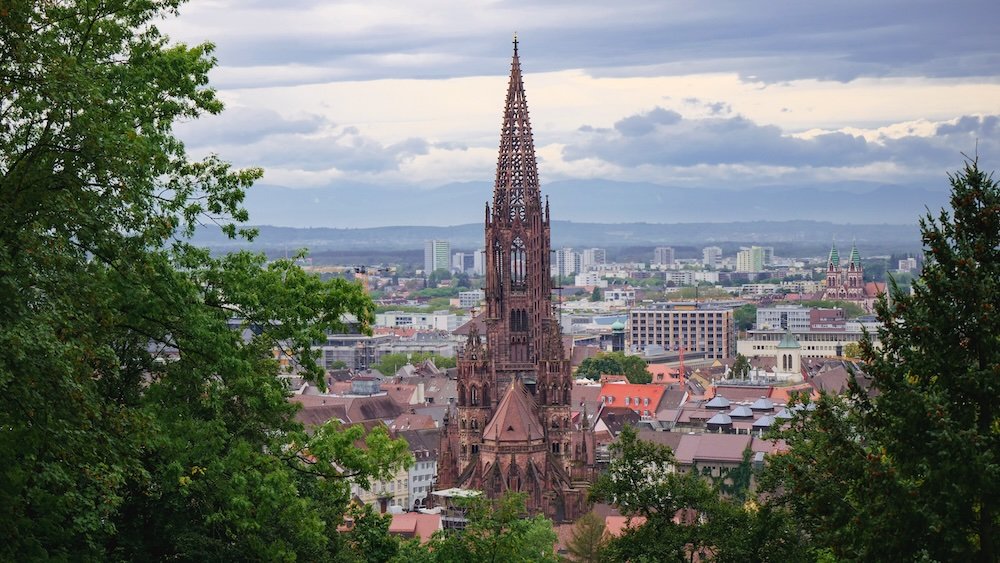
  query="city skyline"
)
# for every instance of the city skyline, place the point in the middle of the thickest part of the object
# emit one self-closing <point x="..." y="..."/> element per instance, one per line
<point x="397" y="101"/>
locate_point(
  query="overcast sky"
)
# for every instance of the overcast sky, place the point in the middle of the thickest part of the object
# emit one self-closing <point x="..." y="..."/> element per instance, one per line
<point x="404" y="96"/>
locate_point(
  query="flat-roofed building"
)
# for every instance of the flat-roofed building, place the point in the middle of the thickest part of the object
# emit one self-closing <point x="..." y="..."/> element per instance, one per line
<point x="697" y="327"/>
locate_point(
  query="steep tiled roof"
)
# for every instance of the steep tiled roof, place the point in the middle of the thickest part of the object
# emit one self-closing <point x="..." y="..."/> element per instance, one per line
<point x="615" y="418"/>
<point x="415" y="525"/>
<point x="615" y="526"/>
<point x="702" y="448"/>
<point x="408" y="421"/>
<point x="640" y="396"/>
<point x="319" y="414"/>
<point x="515" y="419"/>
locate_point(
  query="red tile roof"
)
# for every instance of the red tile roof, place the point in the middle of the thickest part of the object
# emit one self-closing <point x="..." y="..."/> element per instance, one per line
<point x="415" y="525"/>
<point x="662" y="373"/>
<point x="640" y="397"/>
<point x="615" y="526"/>
<point x="515" y="419"/>
<point x="407" y="421"/>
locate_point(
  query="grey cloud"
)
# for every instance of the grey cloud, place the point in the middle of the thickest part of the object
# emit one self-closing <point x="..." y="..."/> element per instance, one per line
<point x="240" y="125"/>
<point x="773" y="41"/>
<point x="638" y="125"/>
<point x="651" y="140"/>
<point x="985" y="126"/>
<point x="346" y="149"/>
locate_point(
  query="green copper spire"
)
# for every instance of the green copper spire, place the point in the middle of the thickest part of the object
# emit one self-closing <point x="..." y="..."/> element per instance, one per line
<point x="834" y="256"/>
<point x="855" y="257"/>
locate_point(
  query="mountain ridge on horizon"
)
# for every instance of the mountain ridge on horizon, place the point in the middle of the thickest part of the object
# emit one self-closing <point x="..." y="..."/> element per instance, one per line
<point x="357" y="205"/>
<point x="469" y="236"/>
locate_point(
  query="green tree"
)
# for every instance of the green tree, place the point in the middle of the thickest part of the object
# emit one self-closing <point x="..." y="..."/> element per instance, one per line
<point x="136" y="423"/>
<point x="389" y="364"/>
<point x="368" y="540"/>
<point x="595" y="295"/>
<point x="741" y="367"/>
<point x="641" y="481"/>
<point x="745" y="316"/>
<point x="499" y="530"/>
<point x="615" y="363"/>
<point x="587" y="542"/>
<point x="850" y="308"/>
<point x="852" y="350"/>
<point x="922" y="454"/>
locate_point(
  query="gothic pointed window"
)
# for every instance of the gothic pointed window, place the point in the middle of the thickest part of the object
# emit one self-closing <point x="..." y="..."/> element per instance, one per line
<point x="498" y="262"/>
<point x="518" y="265"/>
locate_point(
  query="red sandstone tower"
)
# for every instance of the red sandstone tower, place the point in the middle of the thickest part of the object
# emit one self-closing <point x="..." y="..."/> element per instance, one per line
<point x="513" y="429"/>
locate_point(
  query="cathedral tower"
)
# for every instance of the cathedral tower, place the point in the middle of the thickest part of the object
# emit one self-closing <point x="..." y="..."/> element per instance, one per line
<point x="515" y="430"/>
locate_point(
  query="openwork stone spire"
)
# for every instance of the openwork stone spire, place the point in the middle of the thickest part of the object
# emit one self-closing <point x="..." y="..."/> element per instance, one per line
<point x="516" y="188"/>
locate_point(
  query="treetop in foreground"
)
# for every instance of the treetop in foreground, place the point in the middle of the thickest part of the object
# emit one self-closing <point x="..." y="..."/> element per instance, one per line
<point x="920" y="453"/>
<point x="109" y="451"/>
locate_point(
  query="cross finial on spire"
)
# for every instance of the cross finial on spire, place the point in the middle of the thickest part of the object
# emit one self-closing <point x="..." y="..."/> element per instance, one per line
<point x="515" y="42"/>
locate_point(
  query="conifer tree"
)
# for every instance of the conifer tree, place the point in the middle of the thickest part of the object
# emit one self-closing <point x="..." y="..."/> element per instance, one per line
<point x="911" y="470"/>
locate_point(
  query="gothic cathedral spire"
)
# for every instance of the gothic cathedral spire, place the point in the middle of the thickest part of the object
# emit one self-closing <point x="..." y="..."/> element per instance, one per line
<point x="518" y="286"/>
<point x="514" y="429"/>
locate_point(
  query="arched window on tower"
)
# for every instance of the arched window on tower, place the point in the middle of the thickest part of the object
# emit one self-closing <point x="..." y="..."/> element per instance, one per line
<point x="498" y="262"/>
<point x="474" y="396"/>
<point x="518" y="265"/>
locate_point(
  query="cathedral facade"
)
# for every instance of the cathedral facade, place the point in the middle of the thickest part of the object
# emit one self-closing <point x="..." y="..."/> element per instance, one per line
<point x="847" y="282"/>
<point x="513" y="428"/>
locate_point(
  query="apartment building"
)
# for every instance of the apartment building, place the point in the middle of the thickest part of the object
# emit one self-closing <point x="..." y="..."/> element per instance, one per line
<point x="698" y="327"/>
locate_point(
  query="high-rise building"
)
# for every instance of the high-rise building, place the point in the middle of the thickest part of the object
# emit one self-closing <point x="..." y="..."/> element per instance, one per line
<point x="566" y="262"/>
<point x="768" y="254"/>
<point x="513" y="430"/>
<point x="711" y="256"/>
<point x="750" y="259"/>
<point x="591" y="257"/>
<point x="437" y="256"/>
<point x="463" y="262"/>
<point x="663" y="256"/>
<point x="479" y="262"/>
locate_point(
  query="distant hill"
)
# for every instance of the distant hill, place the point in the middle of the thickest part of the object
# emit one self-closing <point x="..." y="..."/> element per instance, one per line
<point x="593" y="201"/>
<point x="790" y="238"/>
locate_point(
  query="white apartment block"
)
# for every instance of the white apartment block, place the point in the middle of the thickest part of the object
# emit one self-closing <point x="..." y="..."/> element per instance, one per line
<point x="750" y="259"/>
<point x="438" y="320"/>
<point x="794" y="317"/>
<point x="680" y="277"/>
<point x="619" y="294"/>
<point x="471" y="298"/>
<point x="663" y="256"/>
<point x="566" y="262"/>
<point x="711" y="256"/>
<point x="590" y="279"/>
<point x="591" y="257"/>
<point x="706" y="276"/>
<point x="479" y="262"/>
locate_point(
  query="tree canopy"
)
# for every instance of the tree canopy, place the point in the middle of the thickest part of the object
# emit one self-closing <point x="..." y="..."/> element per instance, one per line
<point x="137" y="423"/>
<point x="389" y="364"/>
<point x="498" y="530"/>
<point x="920" y="453"/>
<point x="615" y="363"/>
